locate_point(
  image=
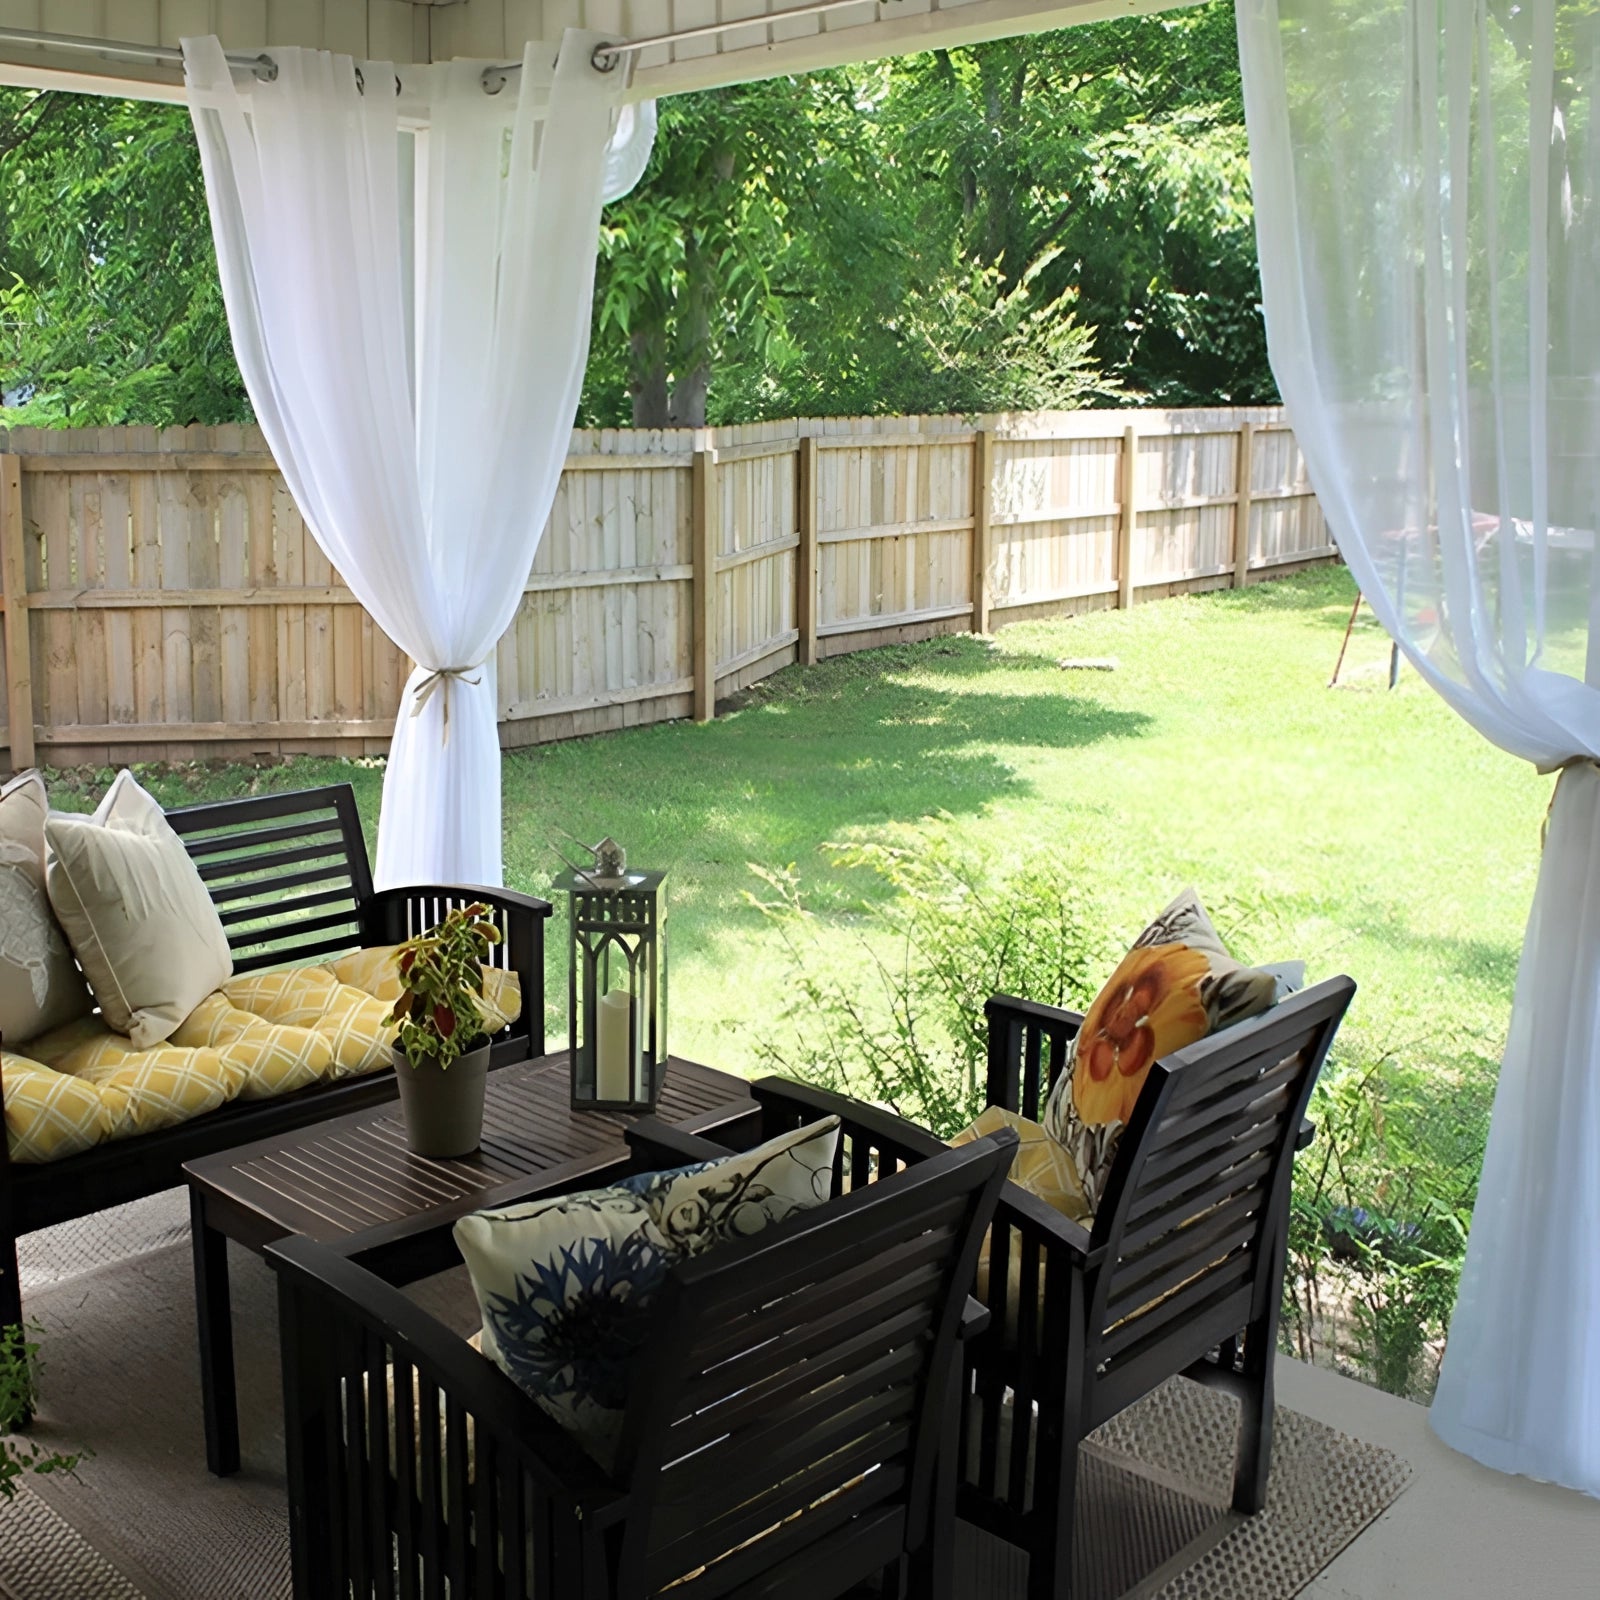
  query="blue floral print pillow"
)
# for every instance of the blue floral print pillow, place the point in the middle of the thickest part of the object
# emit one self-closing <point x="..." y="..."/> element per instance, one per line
<point x="565" y="1285"/>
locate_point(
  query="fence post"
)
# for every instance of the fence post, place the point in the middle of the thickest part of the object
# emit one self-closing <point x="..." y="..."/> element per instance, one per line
<point x="806" y="576"/>
<point x="982" y="527"/>
<point x="1241" y="510"/>
<point x="1128" y="514"/>
<point x="14" y="585"/>
<point x="702" y="520"/>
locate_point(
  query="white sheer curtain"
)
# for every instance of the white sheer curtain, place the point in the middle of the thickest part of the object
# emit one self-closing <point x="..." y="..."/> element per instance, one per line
<point x="408" y="265"/>
<point x="1427" y="192"/>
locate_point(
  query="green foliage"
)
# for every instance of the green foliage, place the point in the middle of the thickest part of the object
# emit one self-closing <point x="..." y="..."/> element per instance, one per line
<point x="441" y="984"/>
<point x="1033" y="223"/>
<point x="19" y="1386"/>
<point x="110" y="308"/>
<point x="913" y="1036"/>
<point x="1382" y="1203"/>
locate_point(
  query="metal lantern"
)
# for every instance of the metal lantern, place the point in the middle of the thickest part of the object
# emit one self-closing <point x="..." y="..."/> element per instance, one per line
<point x="616" y="989"/>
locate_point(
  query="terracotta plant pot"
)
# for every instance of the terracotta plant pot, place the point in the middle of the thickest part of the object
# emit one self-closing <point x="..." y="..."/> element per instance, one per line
<point x="443" y="1106"/>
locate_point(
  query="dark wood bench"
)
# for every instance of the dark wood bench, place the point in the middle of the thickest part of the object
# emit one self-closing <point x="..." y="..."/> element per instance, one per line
<point x="290" y="878"/>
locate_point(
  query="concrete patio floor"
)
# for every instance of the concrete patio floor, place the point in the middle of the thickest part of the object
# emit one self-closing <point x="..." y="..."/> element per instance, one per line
<point x="1459" y="1532"/>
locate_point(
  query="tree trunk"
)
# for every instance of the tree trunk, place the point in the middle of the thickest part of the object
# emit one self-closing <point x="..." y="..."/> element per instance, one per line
<point x="647" y="375"/>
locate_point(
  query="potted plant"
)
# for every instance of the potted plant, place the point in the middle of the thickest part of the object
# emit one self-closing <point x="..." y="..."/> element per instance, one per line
<point x="441" y="1056"/>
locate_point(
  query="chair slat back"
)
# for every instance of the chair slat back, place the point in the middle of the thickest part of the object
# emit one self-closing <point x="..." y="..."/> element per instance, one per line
<point x="1191" y="1220"/>
<point x="288" y="873"/>
<point x="788" y="1412"/>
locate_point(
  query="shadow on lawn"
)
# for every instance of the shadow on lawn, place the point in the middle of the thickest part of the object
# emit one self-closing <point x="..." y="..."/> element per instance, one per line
<point x="827" y="751"/>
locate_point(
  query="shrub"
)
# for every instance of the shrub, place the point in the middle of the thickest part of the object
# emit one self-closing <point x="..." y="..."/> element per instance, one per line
<point x="953" y="932"/>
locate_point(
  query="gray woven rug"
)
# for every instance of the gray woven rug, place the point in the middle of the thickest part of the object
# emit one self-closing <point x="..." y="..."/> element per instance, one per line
<point x="146" y="1521"/>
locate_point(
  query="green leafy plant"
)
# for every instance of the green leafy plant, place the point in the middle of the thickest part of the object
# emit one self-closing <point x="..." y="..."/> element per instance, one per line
<point x="914" y="1038"/>
<point x="19" y="1386"/>
<point x="441" y="987"/>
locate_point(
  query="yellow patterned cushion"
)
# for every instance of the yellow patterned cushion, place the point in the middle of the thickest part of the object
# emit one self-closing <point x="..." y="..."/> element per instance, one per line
<point x="354" y="1026"/>
<point x="1042" y="1167"/>
<point x="273" y="1058"/>
<point x="374" y="971"/>
<point x="48" y="1114"/>
<point x="141" y="1090"/>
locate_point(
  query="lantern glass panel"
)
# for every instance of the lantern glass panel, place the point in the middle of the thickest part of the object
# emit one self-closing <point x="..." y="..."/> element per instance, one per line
<point x="616" y="990"/>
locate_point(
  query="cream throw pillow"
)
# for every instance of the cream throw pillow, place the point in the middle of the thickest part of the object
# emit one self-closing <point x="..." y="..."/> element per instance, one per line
<point x="40" y="988"/>
<point x="140" y="922"/>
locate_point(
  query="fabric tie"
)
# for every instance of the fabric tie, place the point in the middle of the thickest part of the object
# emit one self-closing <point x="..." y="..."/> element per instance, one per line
<point x="441" y="675"/>
<point x="1559" y="769"/>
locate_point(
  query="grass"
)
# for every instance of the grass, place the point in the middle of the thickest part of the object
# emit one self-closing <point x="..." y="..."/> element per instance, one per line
<point x="1363" y="830"/>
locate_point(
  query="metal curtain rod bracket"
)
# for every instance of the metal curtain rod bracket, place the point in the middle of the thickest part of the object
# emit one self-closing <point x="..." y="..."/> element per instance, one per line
<point x="606" y="56"/>
<point x="260" y="65"/>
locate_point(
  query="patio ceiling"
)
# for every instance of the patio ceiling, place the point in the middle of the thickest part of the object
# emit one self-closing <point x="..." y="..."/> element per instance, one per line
<point x="399" y="31"/>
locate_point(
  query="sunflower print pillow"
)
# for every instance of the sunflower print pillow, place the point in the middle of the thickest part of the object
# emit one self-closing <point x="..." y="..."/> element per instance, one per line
<point x="1176" y="985"/>
<point x="566" y="1284"/>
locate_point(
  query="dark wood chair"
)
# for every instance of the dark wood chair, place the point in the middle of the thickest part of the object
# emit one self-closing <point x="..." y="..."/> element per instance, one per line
<point x="289" y="876"/>
<point x="790" y="1434"/>
<point x="1181" y="1274"/>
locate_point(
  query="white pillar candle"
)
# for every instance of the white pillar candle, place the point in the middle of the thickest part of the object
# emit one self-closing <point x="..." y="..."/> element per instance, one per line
<point x="613" y="1056"/>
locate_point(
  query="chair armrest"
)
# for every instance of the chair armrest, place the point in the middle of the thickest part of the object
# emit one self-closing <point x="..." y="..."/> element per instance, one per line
<point x="1019" y="1031"/>
<point x="975" y="1320"/>
<point x="788" y="1104"/>
<point x="1037" y="1217"/>
<point x="344" y="1292"/>
<point x="1304" y="1136"/>
<point x="655" y="1144"/>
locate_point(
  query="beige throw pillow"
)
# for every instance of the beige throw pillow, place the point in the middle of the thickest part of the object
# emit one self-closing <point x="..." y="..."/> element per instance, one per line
<point x="40" y="988"/>
<point x="140" y="921"/>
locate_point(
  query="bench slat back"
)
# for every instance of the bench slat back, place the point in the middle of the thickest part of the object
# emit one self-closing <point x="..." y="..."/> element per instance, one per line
<point x="288" y="873"/>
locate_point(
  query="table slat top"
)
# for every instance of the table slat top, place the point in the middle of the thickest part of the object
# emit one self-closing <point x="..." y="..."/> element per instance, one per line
<point x="354" y="1174"/>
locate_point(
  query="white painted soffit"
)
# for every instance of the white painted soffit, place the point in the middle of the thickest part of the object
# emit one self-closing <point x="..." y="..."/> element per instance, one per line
<point x="400" y="31"/>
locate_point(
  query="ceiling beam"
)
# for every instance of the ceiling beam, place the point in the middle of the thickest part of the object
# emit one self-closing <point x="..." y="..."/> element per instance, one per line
<point x="401" y="32"/>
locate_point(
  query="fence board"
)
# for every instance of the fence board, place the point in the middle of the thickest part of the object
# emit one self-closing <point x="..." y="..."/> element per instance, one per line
<point x="176" y="603"/>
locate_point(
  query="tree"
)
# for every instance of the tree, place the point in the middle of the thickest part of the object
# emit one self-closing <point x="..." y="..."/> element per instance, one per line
<point x="109" y="300"/>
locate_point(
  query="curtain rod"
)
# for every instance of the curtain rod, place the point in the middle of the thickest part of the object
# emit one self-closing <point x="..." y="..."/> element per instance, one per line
<point x="606" y="56"/>
<point x="260" y="65"/>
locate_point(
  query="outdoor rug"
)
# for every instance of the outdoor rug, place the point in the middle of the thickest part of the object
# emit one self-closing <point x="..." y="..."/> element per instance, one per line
<point x="146" y="1521"/>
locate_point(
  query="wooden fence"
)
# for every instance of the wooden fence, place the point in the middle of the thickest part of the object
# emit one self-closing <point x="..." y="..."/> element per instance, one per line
<point x="164" y="601"/>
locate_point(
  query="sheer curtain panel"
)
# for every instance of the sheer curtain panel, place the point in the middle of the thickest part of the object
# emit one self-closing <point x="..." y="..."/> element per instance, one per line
<point x="1427" y="191"/>
<point x="408" y="266"/>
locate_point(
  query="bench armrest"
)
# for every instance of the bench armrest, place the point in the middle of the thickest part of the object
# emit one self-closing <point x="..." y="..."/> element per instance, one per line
<point x="390" y="916"/>
<point x="1306" y="1134"/>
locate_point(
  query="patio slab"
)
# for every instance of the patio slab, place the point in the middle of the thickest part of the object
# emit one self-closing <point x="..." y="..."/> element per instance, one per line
<point x="1459" y="1531"/>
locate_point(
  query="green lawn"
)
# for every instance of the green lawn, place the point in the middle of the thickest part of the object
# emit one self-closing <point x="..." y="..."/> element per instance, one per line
<point x="1363" y="830"/>
<point x="1366" y="831"/>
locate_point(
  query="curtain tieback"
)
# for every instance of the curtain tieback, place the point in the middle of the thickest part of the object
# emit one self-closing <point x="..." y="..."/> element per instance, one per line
<point x="441" y="676"/>
<point x="1559" y="768"/>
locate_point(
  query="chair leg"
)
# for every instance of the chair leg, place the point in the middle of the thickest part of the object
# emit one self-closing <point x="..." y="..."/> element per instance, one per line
<point x="1055" y="1517"/>
<point x="1255" y="1424"/>
<point x="929" y="1573"/>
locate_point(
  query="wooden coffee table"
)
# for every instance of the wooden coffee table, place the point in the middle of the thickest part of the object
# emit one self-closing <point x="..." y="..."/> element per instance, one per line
<point x="352" y="1183"/>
